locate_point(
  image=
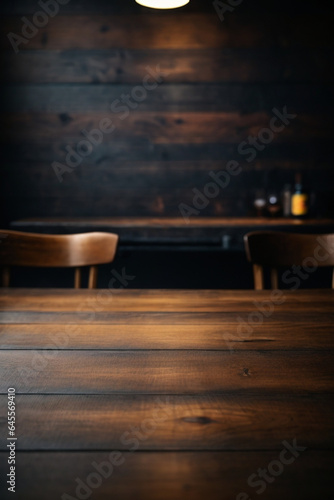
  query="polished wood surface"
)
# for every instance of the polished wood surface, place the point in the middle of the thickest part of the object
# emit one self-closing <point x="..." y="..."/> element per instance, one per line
<point x="220" y="421"/>
<point x="171" y="374"/>
<point x="277" y="249"/>
<point x="75" y="250"/>
<point x="157" y="301"/>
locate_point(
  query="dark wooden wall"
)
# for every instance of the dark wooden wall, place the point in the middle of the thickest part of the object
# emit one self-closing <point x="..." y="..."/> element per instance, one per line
<point x="224" y="79"/>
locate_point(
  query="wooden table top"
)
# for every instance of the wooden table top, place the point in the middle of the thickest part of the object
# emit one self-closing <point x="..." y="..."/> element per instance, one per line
<point x="172" y="222"/>
<point x="200" y="232"/>
<point x="168" y="394"/>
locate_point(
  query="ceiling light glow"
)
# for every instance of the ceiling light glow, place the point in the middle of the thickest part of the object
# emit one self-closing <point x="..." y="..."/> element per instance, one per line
<point x="163" y="4"/>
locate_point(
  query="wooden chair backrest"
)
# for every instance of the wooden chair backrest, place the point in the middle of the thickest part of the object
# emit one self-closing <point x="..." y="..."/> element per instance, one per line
<point x="46" y="250"/>
<point x="277" y="249"/>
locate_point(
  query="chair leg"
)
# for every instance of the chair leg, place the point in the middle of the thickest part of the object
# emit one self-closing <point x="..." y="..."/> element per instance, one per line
<point x="77" y="277"/>
<point x="274" y="278"/>
<point x="333" y="279"/>
<point x="5" y="276"/>
<point x="92" y="278"/>
<point x="258" y="277"/>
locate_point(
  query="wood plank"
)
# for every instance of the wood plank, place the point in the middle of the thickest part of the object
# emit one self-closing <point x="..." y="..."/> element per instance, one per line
<point x="93" y="315"/>
<point x="147" y="202"/>
<point x="299" y="335"/>
<point x="187" y="30"/>
<point x="173" y="475"/>
<point x="108" y="179"/>
<point x="181" y="66"/>
<point x="161" y="128"/>
<point x="166" y="372"/>
<point x="140" y="150"/>
<point x="242" y="99"/>
<point x="208" y="422"/>
<point x="120" y="300"/>
<point x="190" y="30"/>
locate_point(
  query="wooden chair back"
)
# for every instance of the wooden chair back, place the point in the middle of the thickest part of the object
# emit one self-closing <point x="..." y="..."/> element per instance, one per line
<point x="277" y="249"/>
<point x="46" y="250"/>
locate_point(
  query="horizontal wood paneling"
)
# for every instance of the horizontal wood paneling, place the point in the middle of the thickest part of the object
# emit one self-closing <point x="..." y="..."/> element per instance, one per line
<point x="163" y="127"/>
<point x="191" y="30"/>
<point x="221" y="82"/>
<point x="144" y="202"/>
<point x="165" y="300"/>
<point x="93" y="177"/>
<point x="139" y="149"/>
<point x="238" y="98"/>
<point x="100" y="336"/>
<point x="140" y="318"/>
<point x="169" y="372"/>
<point x="160" y="30"/>
<point x="155" y="173"/>
<point x="181" y="66"/>
<point x="208" y="422"/>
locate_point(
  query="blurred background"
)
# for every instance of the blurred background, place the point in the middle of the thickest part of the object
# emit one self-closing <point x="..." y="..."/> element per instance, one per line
<point x="163" y="99"/>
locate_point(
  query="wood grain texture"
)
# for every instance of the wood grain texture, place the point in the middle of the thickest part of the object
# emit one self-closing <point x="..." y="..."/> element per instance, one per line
<point x="190" y="31"/>
<point x="195" y="30"/>
<point x="140" y="150"/>
<point x="122" y="202"/>
<point x="166" y="372"/>
<point x="163" y="127"/>
<point x="270" y="385"/>
<point x="22" y="249"/>
<point x="221" y="81"/>
<point x="240" y="99"/>
<point x="181" y="66"/>
<point x="219" y="415"/>
<point x="173" y="301"/>
<point x="227" y="335"/>
<point x="207" y="422"/>
<point x="152" y="318"/>
<point x="174" y="475"/>
<point x="160" y="176"/>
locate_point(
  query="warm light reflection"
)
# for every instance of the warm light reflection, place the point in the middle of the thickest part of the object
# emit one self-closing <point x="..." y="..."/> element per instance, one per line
<point x="163" y="4"/>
